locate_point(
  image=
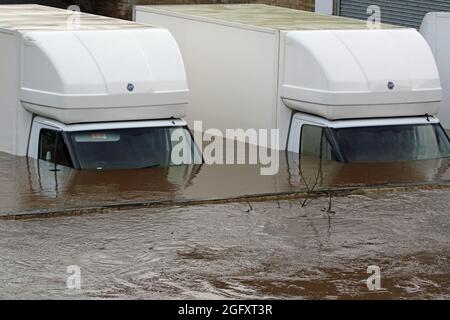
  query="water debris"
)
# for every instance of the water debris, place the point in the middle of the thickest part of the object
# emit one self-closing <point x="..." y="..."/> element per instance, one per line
<point x="329" y="209"/>
<point x="250" y="208"/>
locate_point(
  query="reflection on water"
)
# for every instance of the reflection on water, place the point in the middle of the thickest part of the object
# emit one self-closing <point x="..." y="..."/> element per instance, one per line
<point x="33" y="186"/>
<point x="274" y="250"/>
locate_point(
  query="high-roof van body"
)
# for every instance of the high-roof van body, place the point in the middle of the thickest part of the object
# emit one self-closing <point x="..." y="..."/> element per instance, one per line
<point x="333" y="86"/>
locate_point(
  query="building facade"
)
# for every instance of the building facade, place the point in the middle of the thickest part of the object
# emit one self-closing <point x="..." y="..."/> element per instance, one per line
<point x="408" y="13"/>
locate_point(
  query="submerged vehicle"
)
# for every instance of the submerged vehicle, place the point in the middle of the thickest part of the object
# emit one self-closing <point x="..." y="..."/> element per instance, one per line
<point x="332" y="86"/>
<point x="99" y="94"/>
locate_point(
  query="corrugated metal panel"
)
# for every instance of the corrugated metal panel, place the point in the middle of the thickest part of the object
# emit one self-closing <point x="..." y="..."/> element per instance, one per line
<point x="408" y="13"/>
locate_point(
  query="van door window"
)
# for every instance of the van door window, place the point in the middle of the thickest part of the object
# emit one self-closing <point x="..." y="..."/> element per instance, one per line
<point x="52" y="148"/>
<point x="313" y="138"/>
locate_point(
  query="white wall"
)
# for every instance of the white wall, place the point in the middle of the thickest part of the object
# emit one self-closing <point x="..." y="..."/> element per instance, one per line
<point x="232" y="73"/>
<point x="8" y="93"/>
<point x="436" y="30"/>
<point x="15" y="121"/>
<point x="443" y="61"/>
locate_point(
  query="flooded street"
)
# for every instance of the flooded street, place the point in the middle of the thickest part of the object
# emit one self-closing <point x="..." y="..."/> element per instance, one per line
<point x="257" y="250"/>
<point x="197" y="232"/>
<point x="153" y="169"/>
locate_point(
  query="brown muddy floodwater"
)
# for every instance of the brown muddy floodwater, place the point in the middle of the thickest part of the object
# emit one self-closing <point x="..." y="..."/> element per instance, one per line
<point x="261" y="250"/>
<point x="268" y="249"/>
<point x="30" y="187"/>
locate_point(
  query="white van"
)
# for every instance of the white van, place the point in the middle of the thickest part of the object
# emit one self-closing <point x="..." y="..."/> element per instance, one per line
<point x="89" y="92"/>
<point x="333" y="87"/>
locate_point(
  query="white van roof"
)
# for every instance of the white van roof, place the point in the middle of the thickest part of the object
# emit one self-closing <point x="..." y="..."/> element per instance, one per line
<point x="260" y="16"/>
<point x="341" y="74"/>
<point x="101" y="70"/>
<point x="29" y="17"/>
<point x="334" y="67"/>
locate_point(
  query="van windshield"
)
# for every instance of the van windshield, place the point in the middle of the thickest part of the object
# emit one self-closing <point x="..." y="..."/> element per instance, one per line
<point x="392" y="143"/>
<point x="132" y="148"/>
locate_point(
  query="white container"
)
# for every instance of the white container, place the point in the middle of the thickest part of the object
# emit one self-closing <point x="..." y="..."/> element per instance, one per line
<point x="98" y="70"/>
<point x="252" y="66"/>
<point x="436" y="30"/>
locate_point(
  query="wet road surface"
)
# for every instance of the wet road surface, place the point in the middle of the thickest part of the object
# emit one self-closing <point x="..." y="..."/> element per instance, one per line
<point x="257" y="250"/>
<point x="271" y="249"/>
